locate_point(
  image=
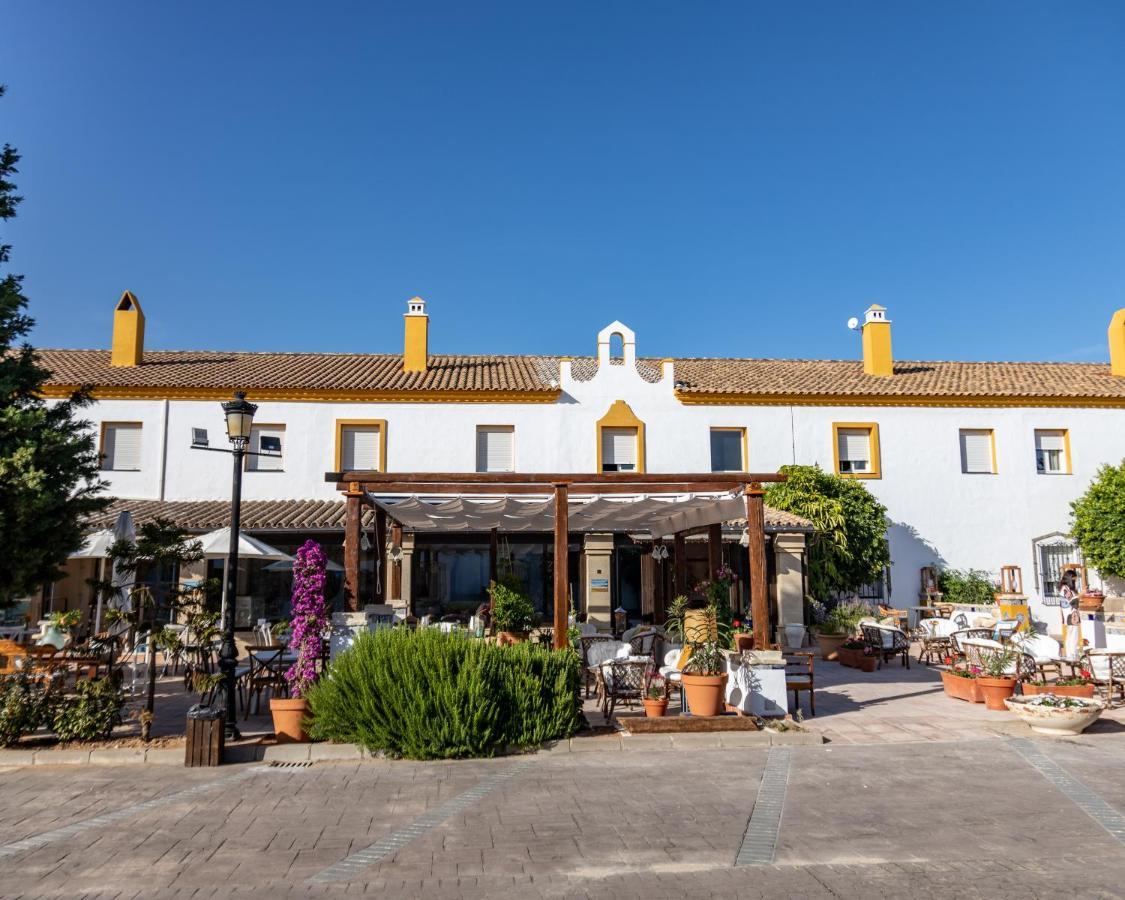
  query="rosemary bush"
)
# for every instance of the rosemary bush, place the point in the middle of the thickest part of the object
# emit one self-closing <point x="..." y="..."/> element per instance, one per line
<point x="428" y="695"/>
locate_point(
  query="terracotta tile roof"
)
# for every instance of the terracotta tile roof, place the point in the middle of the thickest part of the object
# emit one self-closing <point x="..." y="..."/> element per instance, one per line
<point x="295" y="515"/>
<point x="697" y="379"/>
<point x="300" y="371"/>
<point x="812" y="378"/>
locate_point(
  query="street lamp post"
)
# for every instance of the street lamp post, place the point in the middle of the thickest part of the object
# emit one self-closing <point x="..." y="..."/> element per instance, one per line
<point x="239" y="415"/>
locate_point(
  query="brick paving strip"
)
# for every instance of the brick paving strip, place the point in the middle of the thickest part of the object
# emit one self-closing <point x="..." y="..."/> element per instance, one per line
<point x="350" y="866"/>
<point x="760" y="840"/>
<point x="118" y="815"/>
<point x="1074" y="790"/>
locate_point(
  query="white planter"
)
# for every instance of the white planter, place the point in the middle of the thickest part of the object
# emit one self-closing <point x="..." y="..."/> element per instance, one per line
<point x="1056" y="719"/>
<point x="794" y="635"/>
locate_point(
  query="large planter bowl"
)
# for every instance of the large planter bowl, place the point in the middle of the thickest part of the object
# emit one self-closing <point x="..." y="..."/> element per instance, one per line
<point x="830" y="645"/>
<point x="1056" y="719"/>
<point x="1059" y="690"/>
<point x="996" y="691"/>
<point x="288" y="719"/>
<point x="960" y="688"/>
<point x="703" y="693"/>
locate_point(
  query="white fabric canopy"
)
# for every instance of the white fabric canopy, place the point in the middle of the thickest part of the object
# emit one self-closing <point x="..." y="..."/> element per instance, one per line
<point x="96" y="546"/>
<point x="216" y="545"/>
<point x="657" y="514"/>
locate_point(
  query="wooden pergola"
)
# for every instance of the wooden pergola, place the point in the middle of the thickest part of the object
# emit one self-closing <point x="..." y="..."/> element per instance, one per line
<point x="358" y="488"/>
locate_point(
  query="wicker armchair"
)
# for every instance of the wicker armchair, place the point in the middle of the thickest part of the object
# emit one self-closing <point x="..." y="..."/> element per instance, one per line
<point x="886" y="643"/>
<point x="585" y="642"/>
<point x="1107" y="671"/>
<point x="623" y="680"/>
<point x="957" y="637"/>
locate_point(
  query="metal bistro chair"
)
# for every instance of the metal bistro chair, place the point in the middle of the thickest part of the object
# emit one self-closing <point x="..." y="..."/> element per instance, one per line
<point x="266" y="672"/>
<point x="622" y="680"/>
<point x="585" y="642"/>
<point x="934" y="645"/>
<point x="885" y="643"/>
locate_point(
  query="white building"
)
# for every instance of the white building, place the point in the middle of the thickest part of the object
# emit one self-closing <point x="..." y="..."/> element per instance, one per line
<point x="976" y="462"/>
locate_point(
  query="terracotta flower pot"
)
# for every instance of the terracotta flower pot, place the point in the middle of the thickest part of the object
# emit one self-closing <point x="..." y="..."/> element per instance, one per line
<point x="846" y="657"/>
<point x="863" y="662"/>
<point x="830" y="644"/>
<point x="655" y="709"/>
<point x="288" y="720"/>
<point x="1085" y="691"/>
<point x="995" y="691"/>
<point x="703" y="693"/>
<point x="507" y="638"/>
<point x="960" y="688"/>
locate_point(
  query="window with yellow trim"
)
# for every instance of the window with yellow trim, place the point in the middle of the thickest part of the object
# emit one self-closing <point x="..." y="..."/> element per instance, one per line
<point x="121" y="447"/>
<point x="857" y="449"/>
<point x="619" y="450"/>
<point x="1052" y="451"/>
<point x="361" y="445"/>
<point x="265" y="448"/>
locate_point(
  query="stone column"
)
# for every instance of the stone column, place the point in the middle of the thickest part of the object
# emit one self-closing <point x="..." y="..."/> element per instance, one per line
<point x="597" y="551"/>
<point x="788" y="554"/>
<point x="406" y="602"/>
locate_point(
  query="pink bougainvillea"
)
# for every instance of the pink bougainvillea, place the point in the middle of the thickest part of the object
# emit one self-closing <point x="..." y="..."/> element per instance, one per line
<point x="310" y="616"/>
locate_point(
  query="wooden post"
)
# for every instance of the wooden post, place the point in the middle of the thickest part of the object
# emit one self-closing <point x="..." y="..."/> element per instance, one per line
<point x="714" y="549"/>
<point x="352" y="525"/>
<point x="380" y="554"/>
<point x="679" y="549"/>
<point x="493" y="555"/>
<point x="396" y="566"/>
<point x="562" y="555"/>
<point x="756" y="530"/>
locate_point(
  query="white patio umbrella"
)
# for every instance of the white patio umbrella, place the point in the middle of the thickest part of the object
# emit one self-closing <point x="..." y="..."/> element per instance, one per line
<point x="216" y="545"/>
<point x="96" y="545"/>
<point x="122" y="581"/>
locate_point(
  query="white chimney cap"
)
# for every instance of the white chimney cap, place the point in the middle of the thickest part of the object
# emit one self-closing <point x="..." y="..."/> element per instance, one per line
<point x="416" y="307"/>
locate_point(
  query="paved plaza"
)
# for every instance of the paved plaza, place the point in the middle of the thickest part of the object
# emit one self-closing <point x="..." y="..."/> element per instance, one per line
<point x="1007" y="816"/>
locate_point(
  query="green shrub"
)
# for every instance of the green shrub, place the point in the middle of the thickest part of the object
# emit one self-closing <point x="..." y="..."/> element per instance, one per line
<point x="428" y="695"/>
<point x="90" y="713"/>
<point x="25" y="704"/>
<point x="971" y="586"/>
<point x="511" y="610"/>
<point x="1098" y="521"/>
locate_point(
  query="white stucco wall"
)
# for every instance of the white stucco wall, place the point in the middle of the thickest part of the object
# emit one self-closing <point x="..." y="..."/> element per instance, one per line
<point x="938" y="514"/>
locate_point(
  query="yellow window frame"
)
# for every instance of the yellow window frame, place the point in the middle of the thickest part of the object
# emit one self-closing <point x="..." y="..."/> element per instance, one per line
<point x="872" y="429"/>
<point x="381" y="424"/>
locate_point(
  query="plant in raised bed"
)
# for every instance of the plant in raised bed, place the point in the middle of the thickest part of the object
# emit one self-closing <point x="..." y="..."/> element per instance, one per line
<point x="1064" y="687"/>
<point x="513" y="614"/>
<point x="961" y="684"/>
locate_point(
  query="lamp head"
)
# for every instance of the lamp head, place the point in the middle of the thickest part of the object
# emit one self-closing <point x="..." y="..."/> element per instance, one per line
<point x="240" y="416"/>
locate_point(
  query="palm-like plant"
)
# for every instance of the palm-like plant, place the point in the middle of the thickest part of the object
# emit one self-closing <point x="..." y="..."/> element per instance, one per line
<point x="705" y="636"/>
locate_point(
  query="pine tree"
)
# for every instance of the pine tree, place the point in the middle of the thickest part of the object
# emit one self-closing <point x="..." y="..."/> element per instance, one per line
<point x="49" y="480"/>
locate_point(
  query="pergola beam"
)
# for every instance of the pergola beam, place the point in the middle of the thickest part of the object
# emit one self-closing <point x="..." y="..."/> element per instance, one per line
<point x="373" y="480"/>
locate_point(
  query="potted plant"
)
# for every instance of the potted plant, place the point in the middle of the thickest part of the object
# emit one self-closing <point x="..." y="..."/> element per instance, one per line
<point x="703" y="635"/>
<point x="1064" y="687"/>
<point x="309" y="624"/>
<point x="961" y="684"/>
<point x="997" y="680"/>
<point x="656" y="697"/>
<point x="59" y="628"/>
<point x="850" y="652"/>
<point x="838" y="625"/>
<point x="1052" y="714"/>
<point x="513" y="615"/>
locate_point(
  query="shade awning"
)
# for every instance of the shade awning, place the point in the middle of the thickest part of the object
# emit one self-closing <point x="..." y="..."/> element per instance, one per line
<point x="659" y="515"/>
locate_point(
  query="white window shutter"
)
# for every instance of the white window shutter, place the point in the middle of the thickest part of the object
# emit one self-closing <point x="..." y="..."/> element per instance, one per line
<point x="619" y="448"/>
<point x="122" y="448"/>
<point x="976" y="451"/>
<point x="360" y="448"/>
<point x="494" y="449"/>
<point x="1049" y="440"/>
<point x="855" y="447"/>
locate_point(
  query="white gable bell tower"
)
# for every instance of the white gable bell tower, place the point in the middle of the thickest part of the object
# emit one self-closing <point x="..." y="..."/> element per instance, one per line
<point x="628" y="344"/>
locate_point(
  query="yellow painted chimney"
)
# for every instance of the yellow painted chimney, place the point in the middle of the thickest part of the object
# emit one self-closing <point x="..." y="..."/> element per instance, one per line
<point x="1117" y="343"/>
<point x="128" y="332"/>
<point x="416" y="350"/>
<point x="877" y="358"/>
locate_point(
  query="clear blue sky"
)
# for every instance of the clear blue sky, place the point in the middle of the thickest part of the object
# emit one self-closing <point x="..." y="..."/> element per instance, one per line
<point x="728" y="179"/>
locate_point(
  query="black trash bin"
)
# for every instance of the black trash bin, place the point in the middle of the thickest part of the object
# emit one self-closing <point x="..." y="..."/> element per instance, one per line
<point x="206" y="726"/>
